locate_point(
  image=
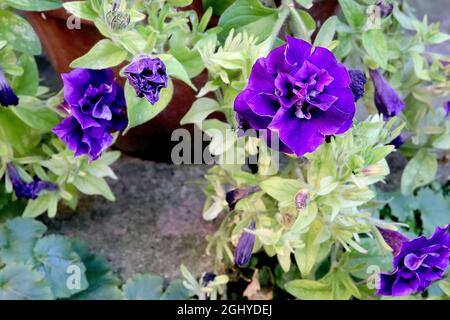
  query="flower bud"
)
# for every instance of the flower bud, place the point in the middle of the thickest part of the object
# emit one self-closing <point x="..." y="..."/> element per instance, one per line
<point x="387" y="100"/>
<point x="244" y="248"/>
<point x="232" y="197"/>
<point x="447" y="109"/>
<point x="7" y="95"/>
<point x="357" y="82"/>
<point x="384" y="8"/>
<point x="301" y="199"/>
<point x="374" y="170"/>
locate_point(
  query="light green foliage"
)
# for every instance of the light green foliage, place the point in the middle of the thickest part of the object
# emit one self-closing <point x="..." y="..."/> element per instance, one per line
<point x="335" y="224"/>
<point x="400" y="46"/>
<point x="155" y="28"/>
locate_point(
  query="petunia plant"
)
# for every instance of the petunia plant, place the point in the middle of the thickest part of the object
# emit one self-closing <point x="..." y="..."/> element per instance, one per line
<point x="36" y="168"/>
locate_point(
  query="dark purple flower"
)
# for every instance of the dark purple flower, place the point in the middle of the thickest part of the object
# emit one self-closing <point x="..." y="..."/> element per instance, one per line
<point x="384" y="8"/>
<point x="357" y="82"/>
<point x="417" y="264"/>
<point x="244" y="248"/>
<point x="207" y="278"/>
<point x="29" y="190"/>
<point x="7" y="95"/>
<point x="387" y="100"/>
<point x="232" y="197"/>
<point x="447" y="109"/>
<point x="97" y="107"/>
<point x="147" y="76"/>
<point x="300" y="93"/>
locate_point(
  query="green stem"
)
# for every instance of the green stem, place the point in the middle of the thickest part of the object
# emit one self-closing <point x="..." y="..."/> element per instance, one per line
<point x="298" y="23"/>
<point x="282" y="16"/>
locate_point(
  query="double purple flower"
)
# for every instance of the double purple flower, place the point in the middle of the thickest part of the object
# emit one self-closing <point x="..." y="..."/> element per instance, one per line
<point x="7" y="95"/>
<point x="147" y="76"/>
<point x="96" y="107"/>
<point x="300" y="93"/>
<point x="29" y="190"/>
<point x="417" y="263"/>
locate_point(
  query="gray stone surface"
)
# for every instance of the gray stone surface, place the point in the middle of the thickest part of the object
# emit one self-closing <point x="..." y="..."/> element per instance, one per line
<point x="155" y="224"/>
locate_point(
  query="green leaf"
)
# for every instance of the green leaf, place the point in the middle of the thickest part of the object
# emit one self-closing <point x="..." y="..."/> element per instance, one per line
<point x="309" y="289"/>
<point x="200" y="110"/>
<point x="248" y="15"/>
<point x="176" y="69"/>
<point x="103" y="284"/>
<point x="218" y="6"/>
<point x="359" y="262"/>
<point x="305" y="3"/>
<point x="20" y="236"/>
<point x="20" y="282"/>
<point x="81" y="9"/>
<point x="38" y="206"/>
<point x="54" y="255"/>
<point x="434" y="208"/>
<point x="28" y="83"/>
<point x="439" y="38"/>
<point x="190" y="59"/>
<point x="104" y="54"/>
<point x="419" y="171"/>
<point x="179" y="3"/>
<point x="353" y="12"/>
<point x="375" y="44"/>
<point x="92" y="185"/>
<point x="140" y="110"/>
<point x="35" y="5"/>
<point x="326" y="32"/>
<point x="143" y="287"/>
<point x="32" y="111"/>
<point x="19" y="33"/>
<point x="282" y="190"/>
<point x="176" y="291"/>
<point x="306" y="256"/>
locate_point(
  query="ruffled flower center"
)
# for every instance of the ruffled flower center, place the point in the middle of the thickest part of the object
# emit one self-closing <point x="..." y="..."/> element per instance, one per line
<point x="305" y="90"/>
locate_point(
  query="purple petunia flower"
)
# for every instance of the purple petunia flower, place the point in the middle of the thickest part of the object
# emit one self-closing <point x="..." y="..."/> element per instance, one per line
<point x="357" y="82"/>
<point x="147" y="76"/>
<point x="387" y="100"/>
<point x="447" y="109"/>
<point x="417" y="263"/>
<point x="244" y="248"/>
<point x="96" y="107"/>
<point x="27" y="190"/>
<point x="300" y="93"/>
<point x="7" y="95"/>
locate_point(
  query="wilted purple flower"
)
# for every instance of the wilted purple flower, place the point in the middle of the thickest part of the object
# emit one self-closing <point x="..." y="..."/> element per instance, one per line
<point x="384" y="8"/>
<point x="7" y="95"/>
<point x="233" y="196"/>
<point x="300" y="93"/>
<point x="417" y="263"/>
<point x="357" y="82"/>
<point x="97" y="107"/>
<point x="244" y="248"/>
<point x="301" y="199"/>
<point x="148" y="76"/>
<point x="447" y="109"/>
<point x="387" y="100"/>
<point x="29" y="190"/>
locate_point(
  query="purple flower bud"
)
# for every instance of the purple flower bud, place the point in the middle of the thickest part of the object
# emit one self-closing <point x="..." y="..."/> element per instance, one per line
<point x="207" y="278"/>
<point x="447" y="109"/>
<point x="301" y="199"/>
<point x="387" y="100"/>
<point x="357" y="82"/>
<point x="244" y="248"/>
<point x="394" y="239"/>
<point x="385" y="9"/>
<point x="27" y="190"/>
<point x="96" y="106"/>
<point x="418" y="263"/>
<point x="147" y="76"/>
<point x="232" y="197"/>
<point x="7" y="95"/>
